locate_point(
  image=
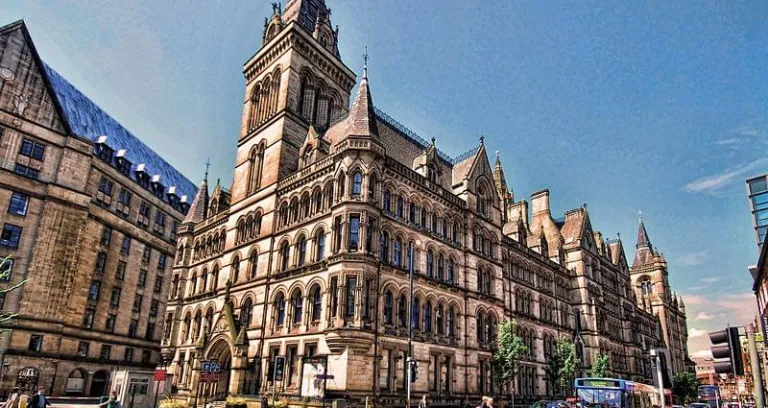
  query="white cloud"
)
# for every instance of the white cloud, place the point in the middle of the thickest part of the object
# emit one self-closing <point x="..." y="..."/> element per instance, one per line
<point x="715" y="182"/>
<point x="703" y="316"/>
<point x="706" y="353"/>
<point x="694" y="332"/>
<point x="710" y="279"/>
<point x="694" y="259"/>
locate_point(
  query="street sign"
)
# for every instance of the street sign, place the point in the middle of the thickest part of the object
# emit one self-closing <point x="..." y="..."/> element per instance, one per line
<point x="324" y="376"/>
<point x="160" y="375"/>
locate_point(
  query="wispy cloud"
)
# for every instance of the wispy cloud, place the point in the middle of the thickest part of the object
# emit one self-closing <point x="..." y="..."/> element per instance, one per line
<point x="694" y="332"/>
<point x="711" y="279"/>
<point x="703" y="316"/>
<point x="715" y="182"/>
<point x="694" y="258"/>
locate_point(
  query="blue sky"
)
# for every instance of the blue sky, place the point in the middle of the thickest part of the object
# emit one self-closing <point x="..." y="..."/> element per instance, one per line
<point x="624" y="106"/>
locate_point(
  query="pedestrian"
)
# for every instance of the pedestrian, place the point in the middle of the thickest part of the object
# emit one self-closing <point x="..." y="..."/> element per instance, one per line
<point x="112" y="402"/>
<point x="483" y="402"/>
<point x="39" y="400"/>
<point x="489" y="402"/>
<point x="265" y="400"/>
<point x="423" y="402"/>
<point x="13" y="400"/>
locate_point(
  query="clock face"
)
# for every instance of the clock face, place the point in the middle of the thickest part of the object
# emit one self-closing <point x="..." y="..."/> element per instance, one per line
<point x="6" y="74"/>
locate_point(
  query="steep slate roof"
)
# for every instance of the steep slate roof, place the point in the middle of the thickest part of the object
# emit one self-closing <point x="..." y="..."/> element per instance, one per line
<point x="86" y="119"/>
<point x="199" y="208"/>
<point x="644" y="252"/>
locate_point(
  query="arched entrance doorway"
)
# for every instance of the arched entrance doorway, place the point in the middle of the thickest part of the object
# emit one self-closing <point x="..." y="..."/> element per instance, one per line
<point x="221" y="353"/>
<point x="99" y="384"/>
<point x="76" y="383"/>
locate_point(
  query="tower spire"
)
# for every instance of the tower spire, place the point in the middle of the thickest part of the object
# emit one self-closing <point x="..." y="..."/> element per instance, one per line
<point x="365" y="63"/>
<point x="207" y="166"/>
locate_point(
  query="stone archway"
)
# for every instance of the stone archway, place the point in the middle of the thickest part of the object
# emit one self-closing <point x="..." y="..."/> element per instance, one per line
<point x="220" y="352"/>
<point x="99" y="384"/>
<point x="76" y="382"/>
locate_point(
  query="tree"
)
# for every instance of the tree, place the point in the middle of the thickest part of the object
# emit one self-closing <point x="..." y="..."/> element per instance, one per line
<point x="6" y="318"/>
<point x="599" y="366"/>
<point x="509" y="348"/>
<point x="685" y="387"/>
<point x="561" y="366"/>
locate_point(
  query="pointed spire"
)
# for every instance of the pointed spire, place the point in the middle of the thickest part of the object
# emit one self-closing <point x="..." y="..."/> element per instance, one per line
<point x="199" y="208"/>
<point x="642" y="234"/>
<point x="365" y="63"/>
<point x="362" y="117"/>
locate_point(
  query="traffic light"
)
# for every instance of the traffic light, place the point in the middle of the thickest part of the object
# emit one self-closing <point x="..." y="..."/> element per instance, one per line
<point x="726" y="350"/>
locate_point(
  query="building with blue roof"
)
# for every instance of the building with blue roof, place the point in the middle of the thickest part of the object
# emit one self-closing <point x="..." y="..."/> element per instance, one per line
<point x="90" y="232"/>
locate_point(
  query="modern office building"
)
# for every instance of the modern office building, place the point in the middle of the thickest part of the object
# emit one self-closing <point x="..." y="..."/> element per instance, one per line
<point x="757" y="190"/>
<point x="89" y="219"/>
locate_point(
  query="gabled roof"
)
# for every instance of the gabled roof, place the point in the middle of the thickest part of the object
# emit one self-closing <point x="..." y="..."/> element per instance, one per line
<point x="463" y="168"/>
<point x="199" y="208"/>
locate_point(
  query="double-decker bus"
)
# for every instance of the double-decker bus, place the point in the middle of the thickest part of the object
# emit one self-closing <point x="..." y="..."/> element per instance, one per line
<point x="616" y="393"/>
<point x="709" y="394"/>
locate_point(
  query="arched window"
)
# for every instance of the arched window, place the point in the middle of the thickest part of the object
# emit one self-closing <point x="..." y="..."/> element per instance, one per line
<point x="319" y="245"/>
<point x="342" y="184"/>
<point x="235" y="269"/>
<point x="193" y="284"/>
<point x="318" y="201"/>
<point x="253" y="119"/>
<point x="372" y="185"/>
<point x="317" y="303"/>
<point x="388" y="300"/>
<point x="301" y="245"/>
<point x="423" y="222"/>
<point x="402" y="311"/>
<point x="306" y="206"/>
<point x="444" y="226"/>
<point x="451" y="322"/>
<point x="432" y="174"/>
<point x="434" y="223"/>
<point x="490" y="330"/>
<point x="297" y="303"/>
<point x="415" y="311"/>
<point x="280" y="309"/>
<point x="285" y="252"/>
<point x="646" y="286"/>
<point x="480" y="328"/>
<point x="387" y="201"/>
<point x="439" y="320"/>
<point x="450" y="270"/>
<point x="208" y="321"/>
<point x="399" y="206"/>
<point x="204" y="281"/>
<point x="215" y="277"/>
<point x="430" y="263"/>
<point x="246" y="312"/>
<point x="253" y="265"/>
<point x="455" y="232"/>
<point x="357" y="184"/>
<point x="441" y="267"/>
<point x="255" y="164"/>
<point x="427" y="317"/>
<point x="187" y="327"/>
<point x="198" y="326"/>
<point x="412" y="212"/>
<point x="482" y="205"/>
<point x="384" y="247"/>
<point x="397" y="252"/>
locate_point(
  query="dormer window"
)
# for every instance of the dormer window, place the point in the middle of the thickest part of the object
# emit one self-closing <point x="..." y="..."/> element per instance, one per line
<point x="157" y="187"/>
<point x="184" y="204"/>
<point x="141" y="175"/>
<point x="122" y="163"/>
<point x="432" y="174"/>
<point x="102" y="151"/>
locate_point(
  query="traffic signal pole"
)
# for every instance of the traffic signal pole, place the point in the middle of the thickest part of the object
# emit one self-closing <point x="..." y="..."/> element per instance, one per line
<point x="757" y="375"/>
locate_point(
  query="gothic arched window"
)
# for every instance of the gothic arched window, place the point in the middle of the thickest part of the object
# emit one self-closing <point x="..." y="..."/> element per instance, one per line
<point x="384" y="247"/>
<point x="285" y="252"/>
<point x="427" y="326"/>
<point x="253" y="265"/>
<point x="397" y="252"/>
<point x="317" y="303"/>
<point x="280" y="309"/>
<point x="246" y="312"/>
<point x="388" y="300"/>
<point x="357" y="184"/>
<point x="319" y="245"/>
<point x="301" y="247"/>
<point x="255" y="164"/>
<point x="402" y="311"/>
<point x="297" y="304"/>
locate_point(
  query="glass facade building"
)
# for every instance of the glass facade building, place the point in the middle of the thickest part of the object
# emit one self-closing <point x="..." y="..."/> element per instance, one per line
<point x="757" y="189"/>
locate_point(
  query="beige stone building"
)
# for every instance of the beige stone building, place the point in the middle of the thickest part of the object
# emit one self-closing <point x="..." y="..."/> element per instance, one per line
<point x="650" y="278"/>
<point x="89" y="221"/>
<point x="306" y="255"/>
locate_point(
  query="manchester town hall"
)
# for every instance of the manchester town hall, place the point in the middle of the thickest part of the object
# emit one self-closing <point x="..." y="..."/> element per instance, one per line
<point x="305" y="257"/>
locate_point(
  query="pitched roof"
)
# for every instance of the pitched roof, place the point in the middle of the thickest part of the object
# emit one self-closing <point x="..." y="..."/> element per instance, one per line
<point x="461" y="169"/>
<point x="88" y="120"/>
<point x="362" y="117"/>
<point x="645" y="251"/>
<point x="199" y="208"/>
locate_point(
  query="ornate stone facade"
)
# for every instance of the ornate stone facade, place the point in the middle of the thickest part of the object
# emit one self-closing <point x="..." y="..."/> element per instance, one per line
<point x="307" y="253"/>
<point x="89" y="218"/>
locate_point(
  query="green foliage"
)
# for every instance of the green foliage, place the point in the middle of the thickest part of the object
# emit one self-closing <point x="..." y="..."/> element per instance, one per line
<point x="508" y="349"/>
<point x="6" y="319"/>
<point x="173" y="403"/>
<point x="561" y="366"/>
<point x="685" y="387"/>
<point x="599" y="366"/>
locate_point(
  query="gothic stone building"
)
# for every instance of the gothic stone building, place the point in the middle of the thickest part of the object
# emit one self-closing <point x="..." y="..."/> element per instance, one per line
<point x="306" y="255"/>
<point x="89" y="222"/>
